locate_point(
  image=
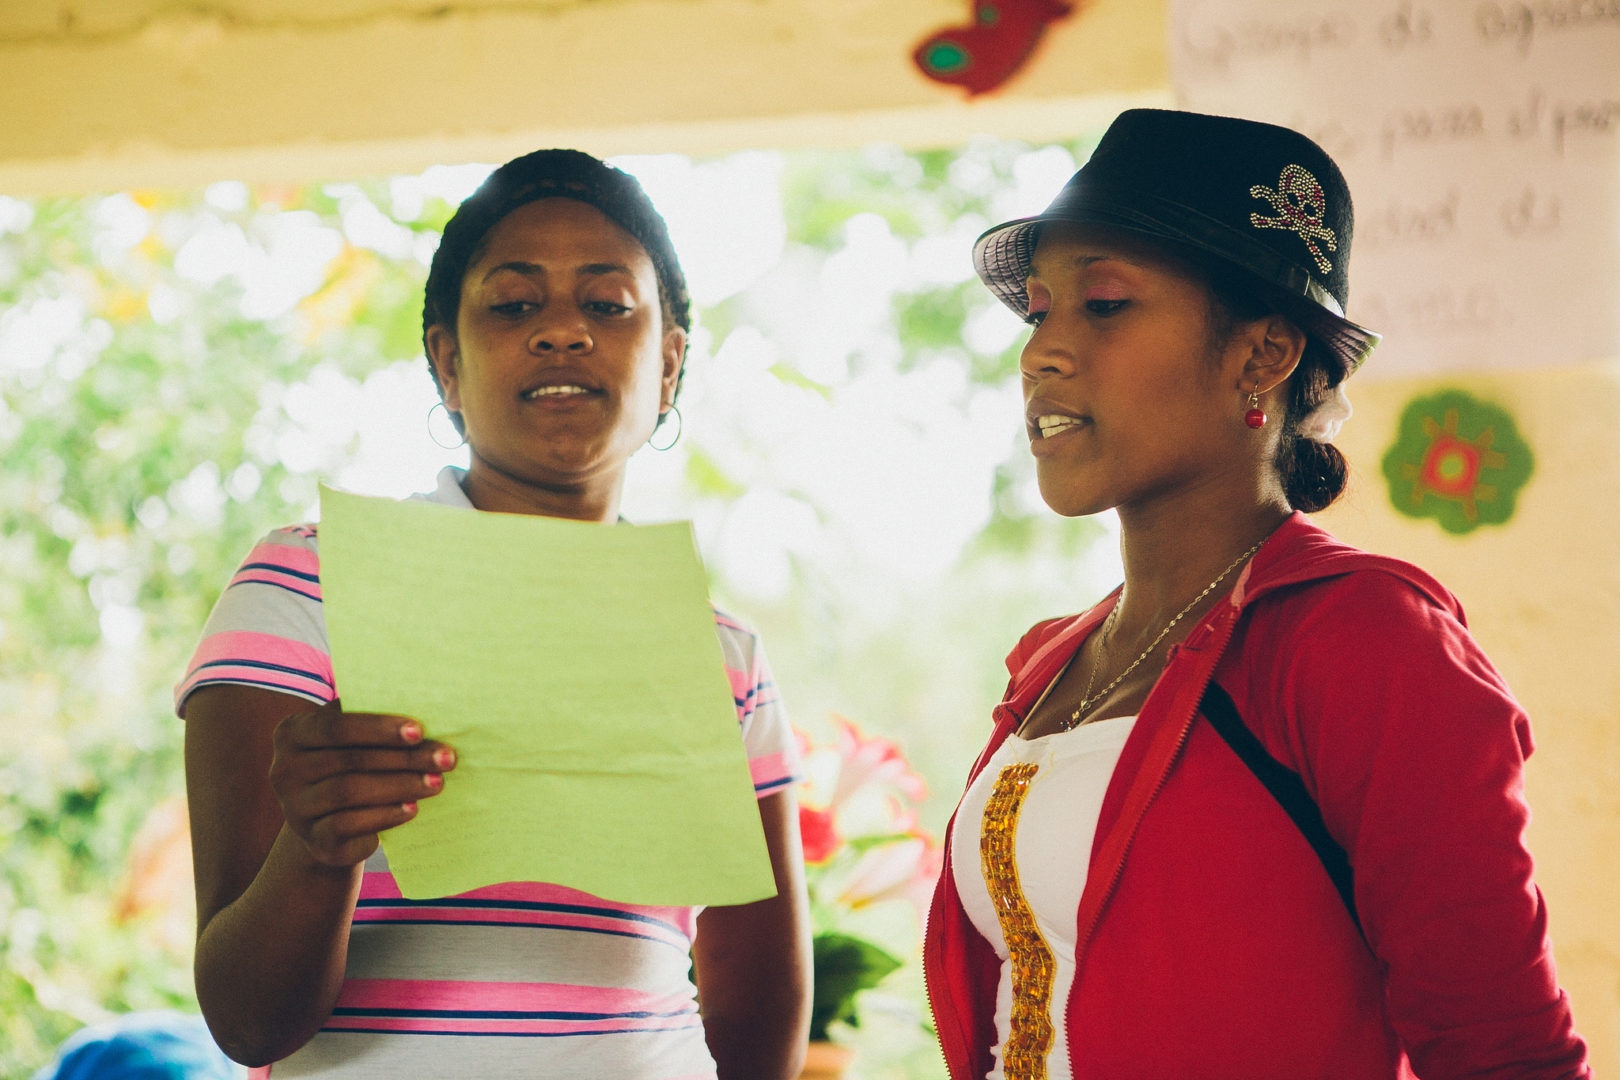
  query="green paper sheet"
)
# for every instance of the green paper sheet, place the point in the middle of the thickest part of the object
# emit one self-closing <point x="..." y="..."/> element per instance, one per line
<point x="576" y="670"/>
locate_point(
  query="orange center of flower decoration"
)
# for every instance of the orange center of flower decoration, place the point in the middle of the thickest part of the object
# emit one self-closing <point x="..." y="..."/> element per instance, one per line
<point x="1451" y="465"/>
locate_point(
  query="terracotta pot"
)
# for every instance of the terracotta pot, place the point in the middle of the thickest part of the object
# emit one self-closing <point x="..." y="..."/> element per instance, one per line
<point x="826" y="1061"/>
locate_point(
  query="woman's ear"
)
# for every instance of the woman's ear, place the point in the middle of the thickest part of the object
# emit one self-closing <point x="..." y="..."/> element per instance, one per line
<point x="445" y="353"/>
<point x="1273" y="345"/>
<point x="674" y="349"/>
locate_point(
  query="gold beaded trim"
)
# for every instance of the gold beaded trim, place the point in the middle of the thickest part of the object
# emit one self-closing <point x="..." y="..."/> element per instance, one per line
<point x="1030" y="1039"/>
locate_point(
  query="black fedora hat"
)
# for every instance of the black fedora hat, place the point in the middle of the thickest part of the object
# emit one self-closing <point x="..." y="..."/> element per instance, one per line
<point x="1261" y="201"/>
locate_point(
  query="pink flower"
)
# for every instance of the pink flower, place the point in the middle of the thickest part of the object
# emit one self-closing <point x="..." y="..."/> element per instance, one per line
<point x="863" y="840"/>
<point x="872" y="761"/>
<point x="903" y="870"/>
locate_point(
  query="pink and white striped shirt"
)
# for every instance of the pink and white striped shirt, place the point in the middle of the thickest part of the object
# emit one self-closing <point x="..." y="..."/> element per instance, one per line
<point x="522" y="979"/>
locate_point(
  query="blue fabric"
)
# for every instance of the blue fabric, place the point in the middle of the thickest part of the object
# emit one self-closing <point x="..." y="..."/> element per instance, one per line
<point x="141" y="1046"/>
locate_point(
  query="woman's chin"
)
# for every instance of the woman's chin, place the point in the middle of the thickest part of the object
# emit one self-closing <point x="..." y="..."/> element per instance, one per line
<point x="1067" y="502"/>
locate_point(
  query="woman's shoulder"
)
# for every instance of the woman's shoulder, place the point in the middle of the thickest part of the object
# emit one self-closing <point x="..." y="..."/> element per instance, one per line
<point x="288" y="549"/>
<point x="1312" y="570"/>
<point x="739" y="642"/>
<point x="732" y="628"/>
<point x="300" y="537"/>
<point x="1361" y="613"/>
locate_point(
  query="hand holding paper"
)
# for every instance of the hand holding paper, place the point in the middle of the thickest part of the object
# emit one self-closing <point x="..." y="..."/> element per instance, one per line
<point x="575" y="669"/>
<point x="343" y="777"/>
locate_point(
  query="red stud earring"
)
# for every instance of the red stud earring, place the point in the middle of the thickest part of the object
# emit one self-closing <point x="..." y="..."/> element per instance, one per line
<point x="1255" y="417"/>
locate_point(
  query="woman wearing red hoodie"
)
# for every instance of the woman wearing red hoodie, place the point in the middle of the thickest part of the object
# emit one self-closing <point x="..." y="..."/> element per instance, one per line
<point x="1258" y="814"/>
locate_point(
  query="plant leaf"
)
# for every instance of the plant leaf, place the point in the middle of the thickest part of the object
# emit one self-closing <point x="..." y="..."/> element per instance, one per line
<point x="844" y="966"/>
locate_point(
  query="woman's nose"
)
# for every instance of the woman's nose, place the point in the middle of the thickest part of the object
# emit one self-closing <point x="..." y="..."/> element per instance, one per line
<point x="1045" y="354"/>
<point x="562" y="331"/>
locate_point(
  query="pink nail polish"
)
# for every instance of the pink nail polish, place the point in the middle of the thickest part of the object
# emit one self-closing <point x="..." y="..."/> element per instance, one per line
<point x="411" y="732"/>
<point x="433" y="781"/>
<point x="444" y="758"/>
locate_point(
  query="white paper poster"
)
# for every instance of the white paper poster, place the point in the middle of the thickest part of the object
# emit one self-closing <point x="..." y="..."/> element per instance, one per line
<point x="1482" y="145"/>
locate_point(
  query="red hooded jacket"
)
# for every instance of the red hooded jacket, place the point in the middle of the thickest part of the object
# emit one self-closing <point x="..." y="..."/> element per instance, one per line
<point x="1211" y="943"/>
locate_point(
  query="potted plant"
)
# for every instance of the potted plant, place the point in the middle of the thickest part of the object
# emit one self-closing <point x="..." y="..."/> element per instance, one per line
<point x="862" y="848"/>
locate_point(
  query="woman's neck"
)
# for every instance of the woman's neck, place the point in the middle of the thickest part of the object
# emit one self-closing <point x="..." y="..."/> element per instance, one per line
<point x="1172" y="553"/>
<point x="490" y="489"/>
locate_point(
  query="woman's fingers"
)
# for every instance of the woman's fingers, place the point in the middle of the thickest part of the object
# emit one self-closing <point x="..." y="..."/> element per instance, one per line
<point x="350" y="836"/>
<point x="330" y="727"/>
<point x="327" y="741"/>
<point x="354" y="791"/>
<point x="343" y="777"/>
<point x="326" y="762"/>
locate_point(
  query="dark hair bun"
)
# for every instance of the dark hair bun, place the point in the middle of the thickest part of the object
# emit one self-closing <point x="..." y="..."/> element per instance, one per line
<point x="1314" y="474"/>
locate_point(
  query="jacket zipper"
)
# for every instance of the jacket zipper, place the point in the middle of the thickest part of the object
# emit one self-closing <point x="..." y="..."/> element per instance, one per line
<point x="1002" y="713"/>
<point x="1119" y="869"/>
<point x="928" y="992"/>
<point x="1217" y="647"/>
<point x="928" y="979"/>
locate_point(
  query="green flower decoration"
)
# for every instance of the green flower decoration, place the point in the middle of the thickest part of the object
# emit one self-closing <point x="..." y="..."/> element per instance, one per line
<point x="1458" y="460"/>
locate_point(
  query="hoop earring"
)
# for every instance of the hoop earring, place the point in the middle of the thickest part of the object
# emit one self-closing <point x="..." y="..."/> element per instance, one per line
<point x="435" y="435"/>
<point x="680" y="426"/>
<point x="1255" y="417"/>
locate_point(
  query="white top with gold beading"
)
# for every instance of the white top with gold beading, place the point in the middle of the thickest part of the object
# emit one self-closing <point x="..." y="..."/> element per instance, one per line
<point x="1031" y="816"/>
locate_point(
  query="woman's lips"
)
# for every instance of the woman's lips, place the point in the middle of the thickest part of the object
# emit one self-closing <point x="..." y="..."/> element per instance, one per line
<point x="1042" y="446"/>
<point x="566" y="390"/>
<point x="563" y="390"/>
<point x="1046" y="425"/>
<point x="1052" y="425"/>
<point x="1045" y="418"/>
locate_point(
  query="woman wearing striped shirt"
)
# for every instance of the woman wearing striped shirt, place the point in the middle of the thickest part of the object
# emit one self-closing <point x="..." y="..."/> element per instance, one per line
<point x="555" y="325"/>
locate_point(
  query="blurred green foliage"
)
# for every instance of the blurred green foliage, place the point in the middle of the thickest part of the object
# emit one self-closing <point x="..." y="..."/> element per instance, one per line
<point x="148" y="436"/>
<point x="140" y="419"/>
<point x="858" y="964"/>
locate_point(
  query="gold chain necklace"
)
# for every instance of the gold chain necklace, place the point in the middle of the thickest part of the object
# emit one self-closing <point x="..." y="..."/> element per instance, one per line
<point x="1087" y="701"/>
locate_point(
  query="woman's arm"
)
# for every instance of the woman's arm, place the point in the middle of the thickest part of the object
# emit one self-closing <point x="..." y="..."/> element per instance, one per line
<point x="286" y="801"/>
<point x="1415" y="749"/>
<point x="753" y="964"/>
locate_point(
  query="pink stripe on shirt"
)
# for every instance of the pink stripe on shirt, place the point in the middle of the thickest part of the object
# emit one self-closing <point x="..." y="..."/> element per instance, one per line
<point x="277" y="663"/>
<point x="377" y="885"/>
<point x="383" y="994"/>
<point x="293" y="568"/>
<point x="518" y="902"/>
<point x="453" y="1025"/>
<point x="295" y="558"/>
<point x="744" y="686"/>
<point x="543" y="918"/>
<point x="260" y="576"/>
<point x="729" y="623"/>
<point x="770" y="771"/>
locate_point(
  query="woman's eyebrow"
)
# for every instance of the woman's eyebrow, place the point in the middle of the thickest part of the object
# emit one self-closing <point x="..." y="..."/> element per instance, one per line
<point x="596" y="269"/>
<point x="1080" y="262"/>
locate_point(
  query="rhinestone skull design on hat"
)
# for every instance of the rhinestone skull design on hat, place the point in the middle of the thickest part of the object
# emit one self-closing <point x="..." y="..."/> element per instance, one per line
<point x="1300" y="205"/>
<point x="1260" y="202"/>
